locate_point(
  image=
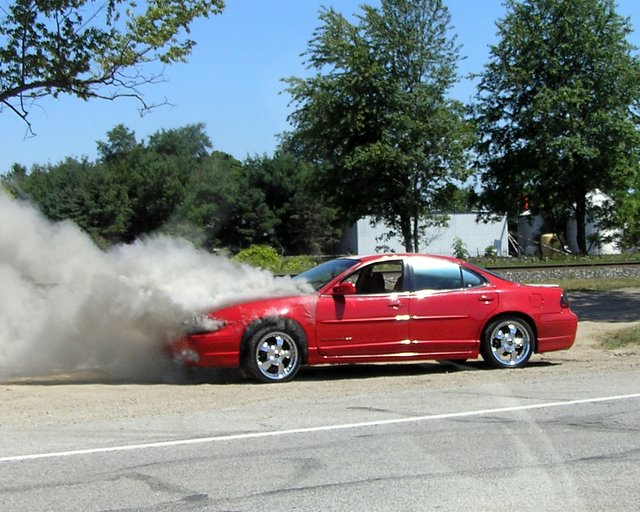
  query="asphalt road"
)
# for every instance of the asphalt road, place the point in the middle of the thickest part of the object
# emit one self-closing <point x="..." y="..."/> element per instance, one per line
<point x="554" y="437"/>
<point x="611" y="306"/>
<point x="569" y="443"/>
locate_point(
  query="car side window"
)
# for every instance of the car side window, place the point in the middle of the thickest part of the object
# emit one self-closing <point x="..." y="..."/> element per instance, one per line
<point x="471" y="279"/>
<point x="438" y="275"/>
<point x="377" y="278"/>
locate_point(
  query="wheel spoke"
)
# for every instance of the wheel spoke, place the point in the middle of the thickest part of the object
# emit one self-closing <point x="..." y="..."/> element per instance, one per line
<point x="264" y="347"/>
<point x="265" y="366"/>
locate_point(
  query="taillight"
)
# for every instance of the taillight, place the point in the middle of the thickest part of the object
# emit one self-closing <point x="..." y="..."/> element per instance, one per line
<point x="564" y="300"/>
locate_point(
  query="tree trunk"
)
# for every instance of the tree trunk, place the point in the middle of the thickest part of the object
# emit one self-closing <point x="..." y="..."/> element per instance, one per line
<point x="407" y="238"/>
<point x="581" y="221"/>
<point x="416" y="234"/>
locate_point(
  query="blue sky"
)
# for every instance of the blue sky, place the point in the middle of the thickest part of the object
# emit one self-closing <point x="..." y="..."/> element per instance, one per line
<point x="232" y="81"/>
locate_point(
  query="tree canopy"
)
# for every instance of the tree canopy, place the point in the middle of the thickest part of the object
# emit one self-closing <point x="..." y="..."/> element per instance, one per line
<point x="374" y="132"/>
<point x="375" y="117"/>
<point x="173" y="183"/>
<point x="557" y="109"/>
<point x="90" y="49"/>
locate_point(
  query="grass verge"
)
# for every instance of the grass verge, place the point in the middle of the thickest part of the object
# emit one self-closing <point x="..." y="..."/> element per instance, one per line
<point x="595" y="284"/>
<point x="627" y="337"/>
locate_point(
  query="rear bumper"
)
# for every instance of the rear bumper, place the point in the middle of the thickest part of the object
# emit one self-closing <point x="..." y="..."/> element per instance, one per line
<point x="559" y="331"/>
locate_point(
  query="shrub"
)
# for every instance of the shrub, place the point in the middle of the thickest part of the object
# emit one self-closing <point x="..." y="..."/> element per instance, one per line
<point x="293" y="265"/>
<point x="459" y="249"/>
<point x="261" y="256"/>
<point x="490" y="251"/>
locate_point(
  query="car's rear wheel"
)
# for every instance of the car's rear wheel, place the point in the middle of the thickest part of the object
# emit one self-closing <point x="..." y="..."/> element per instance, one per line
<point x="274" y="354"/>
<point x="507" y="342"/>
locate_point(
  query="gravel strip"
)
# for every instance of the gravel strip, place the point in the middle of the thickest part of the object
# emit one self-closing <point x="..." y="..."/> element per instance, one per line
<point x="530" y="276"/>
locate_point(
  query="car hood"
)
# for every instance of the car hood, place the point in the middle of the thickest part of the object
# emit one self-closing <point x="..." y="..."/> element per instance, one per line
<point x="291" y="305"/>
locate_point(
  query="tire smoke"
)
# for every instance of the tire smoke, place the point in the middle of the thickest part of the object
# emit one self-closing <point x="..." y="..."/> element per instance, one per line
<point x="66" y="305"/>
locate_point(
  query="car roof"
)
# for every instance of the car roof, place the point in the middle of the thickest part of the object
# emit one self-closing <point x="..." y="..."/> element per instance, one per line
<point x="383" y="256"/>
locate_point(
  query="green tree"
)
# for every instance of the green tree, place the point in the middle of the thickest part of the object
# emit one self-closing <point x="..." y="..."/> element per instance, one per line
<point x="76" y="190"/>
<point x="375" y="117"/>
<point x="13" y="181"/>
<point x="304" y="224"/>
<point x="131" y="190"/>
<point x="220" y="208"/>
<point x="557" y="109"/>
<point x="91" y="49"/>
<point x="154" y="175"/>
<point x="189" y="142"/>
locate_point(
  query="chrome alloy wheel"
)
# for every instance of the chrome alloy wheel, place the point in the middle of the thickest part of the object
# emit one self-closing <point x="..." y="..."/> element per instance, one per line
<point x="510" y="342"/>
<point x="276" y="355"/>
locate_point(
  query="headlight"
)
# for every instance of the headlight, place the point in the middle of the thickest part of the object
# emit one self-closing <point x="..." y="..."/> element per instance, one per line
<point x="186" y="356"/>
<point x="201" y="324"/>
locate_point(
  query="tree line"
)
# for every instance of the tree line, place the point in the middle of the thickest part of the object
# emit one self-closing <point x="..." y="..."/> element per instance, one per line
<point x="175" y="184"/>
<point x="374" y="132"/>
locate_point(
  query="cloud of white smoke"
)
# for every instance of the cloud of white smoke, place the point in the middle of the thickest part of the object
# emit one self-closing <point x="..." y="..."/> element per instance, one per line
<point x="67" y="305"/>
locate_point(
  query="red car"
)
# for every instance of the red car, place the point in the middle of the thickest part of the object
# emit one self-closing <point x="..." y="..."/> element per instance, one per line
<point x="393" y="307"/>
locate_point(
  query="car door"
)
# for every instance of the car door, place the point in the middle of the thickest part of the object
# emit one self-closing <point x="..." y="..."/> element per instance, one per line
<point x="372" y="321"/>
<point x="449" y="307"/>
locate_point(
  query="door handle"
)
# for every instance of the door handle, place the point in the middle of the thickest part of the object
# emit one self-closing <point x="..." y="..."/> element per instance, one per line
<point x="394" y="305"/>
<point x="486" y="299"/>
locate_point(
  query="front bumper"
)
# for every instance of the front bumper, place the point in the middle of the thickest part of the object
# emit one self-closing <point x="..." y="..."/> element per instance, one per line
<point x="208" y="350"/>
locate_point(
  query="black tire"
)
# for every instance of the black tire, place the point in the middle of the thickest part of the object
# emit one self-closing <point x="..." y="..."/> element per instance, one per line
<point x="274" y="353"/>
<point x="507" y="342"/>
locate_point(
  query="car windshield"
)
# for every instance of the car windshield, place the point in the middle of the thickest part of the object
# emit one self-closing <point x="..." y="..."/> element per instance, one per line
<point x="325" y="272"/>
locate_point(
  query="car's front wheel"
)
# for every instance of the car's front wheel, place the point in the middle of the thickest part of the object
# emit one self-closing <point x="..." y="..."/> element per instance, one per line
<point x="507" y="342"/>
<point x="274" y="354"/>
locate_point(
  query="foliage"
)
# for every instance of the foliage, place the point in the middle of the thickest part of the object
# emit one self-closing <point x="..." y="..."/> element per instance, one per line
<point x="219" y="199"/>
<point x="173" y="183"/>
<point x="153" y="180"/>
<point x="266" y="257"/>
<point x="556" y="110"/>
<point x="79" y="191"/>
<point x="131" y="190"/>
<point x="261" y="256"/>
<point x="292" y="265"/>
<point x="460" y="249"/>
<point x="490" y="251"/>
<point x="375" y="117"/>
<point x="89" y="49"/>
<point x="305" y="224"/>
<point x="265" y="200"/>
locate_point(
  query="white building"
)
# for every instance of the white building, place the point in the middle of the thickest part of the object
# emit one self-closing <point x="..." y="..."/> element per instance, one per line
<point x="367" y="238"/>
<point x="531" y="231"/>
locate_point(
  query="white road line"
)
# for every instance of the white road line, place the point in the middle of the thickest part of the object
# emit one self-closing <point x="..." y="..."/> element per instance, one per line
<point x="305" y="430"/>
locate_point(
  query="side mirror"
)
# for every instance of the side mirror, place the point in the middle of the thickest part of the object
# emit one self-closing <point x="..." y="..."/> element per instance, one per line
<point x="344" y="288"/>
